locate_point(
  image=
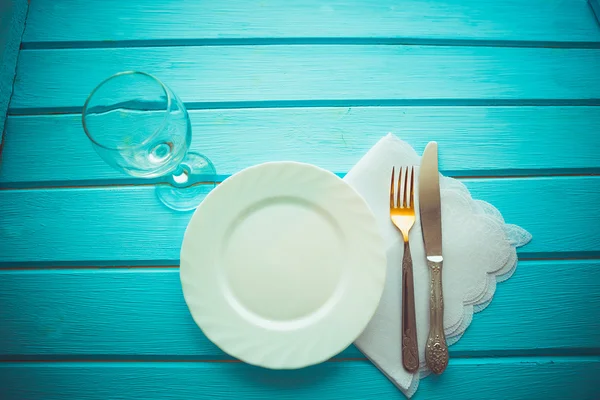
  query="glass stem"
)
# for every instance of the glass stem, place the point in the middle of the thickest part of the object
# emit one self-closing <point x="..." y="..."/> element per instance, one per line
<point x="181" y="177"/>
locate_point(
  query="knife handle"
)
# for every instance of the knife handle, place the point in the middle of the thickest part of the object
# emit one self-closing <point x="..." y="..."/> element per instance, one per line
<point x="436" y="351"/>
<point x="410" y="351"/>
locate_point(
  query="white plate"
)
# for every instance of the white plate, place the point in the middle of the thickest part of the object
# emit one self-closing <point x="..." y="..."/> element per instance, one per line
<point x="282" y="265"/>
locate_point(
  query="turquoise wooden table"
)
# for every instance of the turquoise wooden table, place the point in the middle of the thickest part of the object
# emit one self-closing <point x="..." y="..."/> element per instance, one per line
<point x="90" y="301"/>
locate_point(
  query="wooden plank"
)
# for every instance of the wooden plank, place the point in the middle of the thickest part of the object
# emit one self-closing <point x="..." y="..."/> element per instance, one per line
<point x="546" y="378"/>
<point x="595" y="4"/>
<point x="217" y="76"/>
<point x="128" y="225"/>
<point x="140" y="314"/>
<point x="113" y="20"/>
<point x="522" y="140"/>
<point x="12" y="24"/>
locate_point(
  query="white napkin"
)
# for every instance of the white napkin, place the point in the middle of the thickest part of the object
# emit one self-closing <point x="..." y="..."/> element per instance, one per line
<point x="479" y="250"/>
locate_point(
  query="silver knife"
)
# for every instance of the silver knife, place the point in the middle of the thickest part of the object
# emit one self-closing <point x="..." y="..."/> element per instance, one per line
<point x="436" y="350"/>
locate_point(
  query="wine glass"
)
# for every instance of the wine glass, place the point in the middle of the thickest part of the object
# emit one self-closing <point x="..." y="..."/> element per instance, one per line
<point x="139" y="126"/>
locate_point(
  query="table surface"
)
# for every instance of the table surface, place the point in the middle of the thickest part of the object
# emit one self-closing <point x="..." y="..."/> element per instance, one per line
<point x="90" y="300"/>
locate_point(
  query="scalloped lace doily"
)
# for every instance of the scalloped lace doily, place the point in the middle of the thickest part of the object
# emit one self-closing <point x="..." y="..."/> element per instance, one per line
<point x="479" y="251"/>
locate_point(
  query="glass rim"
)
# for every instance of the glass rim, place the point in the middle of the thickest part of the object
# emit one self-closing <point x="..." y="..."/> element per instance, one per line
<point x="150" y="137"/>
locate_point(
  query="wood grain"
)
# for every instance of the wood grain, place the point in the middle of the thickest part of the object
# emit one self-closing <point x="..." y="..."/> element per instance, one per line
<point x="139" y="314"/>
<point x="128" y="225"/>
<point x="545" y="378"/>
<point x="214" y="76"/>
<point x="77" y="23"/>
<point x="523" y="140"/>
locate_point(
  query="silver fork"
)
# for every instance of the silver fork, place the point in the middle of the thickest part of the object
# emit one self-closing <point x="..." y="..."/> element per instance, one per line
<point x="402" y="213"/>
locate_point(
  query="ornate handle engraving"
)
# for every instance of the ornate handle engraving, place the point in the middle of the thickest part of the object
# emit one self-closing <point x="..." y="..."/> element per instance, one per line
<point x="410" y="352"/>
<point x="436" y="351"/>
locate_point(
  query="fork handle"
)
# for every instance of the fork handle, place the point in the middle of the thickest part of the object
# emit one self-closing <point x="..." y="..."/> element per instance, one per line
<point x="436" y="350"/>
<point x="410" y="351"/>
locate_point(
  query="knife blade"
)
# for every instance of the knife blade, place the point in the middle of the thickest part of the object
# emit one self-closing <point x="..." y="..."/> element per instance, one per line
<point x="430" y="207"/>
<point x="430" y="211"/>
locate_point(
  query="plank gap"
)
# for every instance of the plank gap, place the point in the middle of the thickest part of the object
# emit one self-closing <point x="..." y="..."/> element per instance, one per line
<point x="290" y="41"/>
<point x="137" y="182"/>
<point x="526" y="357"/>
<point x="158" y="265"/>
<point x="258" y="104"/>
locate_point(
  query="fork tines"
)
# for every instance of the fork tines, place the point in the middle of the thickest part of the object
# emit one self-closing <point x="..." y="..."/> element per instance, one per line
<point x="405" y="194"/>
